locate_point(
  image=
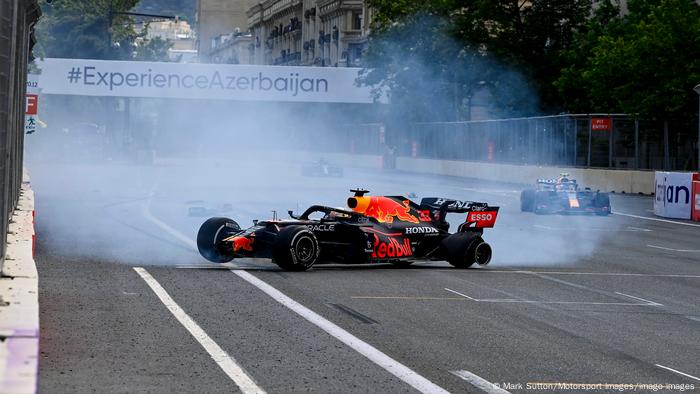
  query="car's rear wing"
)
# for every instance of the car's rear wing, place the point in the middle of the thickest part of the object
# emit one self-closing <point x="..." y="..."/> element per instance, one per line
<point x="479" y="214"/>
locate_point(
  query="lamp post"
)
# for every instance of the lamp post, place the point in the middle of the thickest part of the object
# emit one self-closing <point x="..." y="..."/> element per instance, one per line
<point x="697" y="90"/>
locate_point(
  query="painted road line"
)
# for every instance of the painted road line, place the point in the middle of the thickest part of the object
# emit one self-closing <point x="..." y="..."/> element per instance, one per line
<point x="516" y="301"/>
<point x="488" y="270"/>
<point x="656" y="219"/>
<point x="639" y="299"/>
<point x="678" y="372"/>
<point x="392" y="366"/>
<point x="222" y="359"/>
<point x="479" y="382"/>
<point x="460" y="294"/>
<point x="674" y="250"/>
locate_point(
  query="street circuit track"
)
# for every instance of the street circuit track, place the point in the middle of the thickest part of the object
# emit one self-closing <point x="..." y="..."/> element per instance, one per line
<point x="128" y="305"/>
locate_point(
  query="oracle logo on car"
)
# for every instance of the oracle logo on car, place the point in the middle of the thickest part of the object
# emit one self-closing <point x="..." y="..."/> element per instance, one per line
<point x="321" y="227"/>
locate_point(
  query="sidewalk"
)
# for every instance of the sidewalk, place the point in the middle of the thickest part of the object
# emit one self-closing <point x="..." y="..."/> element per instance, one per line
<point x="19" y="302"/>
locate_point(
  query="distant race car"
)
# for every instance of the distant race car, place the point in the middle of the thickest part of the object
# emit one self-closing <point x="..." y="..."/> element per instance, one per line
<point x="563" y="195"/>
<point x="321" y="168"/>
<point x="375" y="229"/>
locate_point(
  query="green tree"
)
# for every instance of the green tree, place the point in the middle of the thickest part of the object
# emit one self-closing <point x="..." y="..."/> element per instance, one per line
<point x="155" y="50"/>
<point x="646" y="63"/>
<point x="90" y="29"/>
<point x="515" y="48"/>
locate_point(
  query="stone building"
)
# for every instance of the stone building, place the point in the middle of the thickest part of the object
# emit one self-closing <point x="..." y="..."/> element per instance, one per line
<point x="217" y="17"/>
<point x="308" y="32"/>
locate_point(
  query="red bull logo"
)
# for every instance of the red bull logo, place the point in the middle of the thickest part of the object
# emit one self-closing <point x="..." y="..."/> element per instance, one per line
<point x="384" y="209"/>
<point x="393" y="248"/>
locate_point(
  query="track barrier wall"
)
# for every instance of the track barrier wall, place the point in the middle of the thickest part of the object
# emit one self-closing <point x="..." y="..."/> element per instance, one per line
<point x="695" y="212"/>
<point x="674" y="194"/>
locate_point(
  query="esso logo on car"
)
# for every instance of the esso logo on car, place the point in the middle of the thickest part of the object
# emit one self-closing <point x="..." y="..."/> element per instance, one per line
<point x="480" y="217"/>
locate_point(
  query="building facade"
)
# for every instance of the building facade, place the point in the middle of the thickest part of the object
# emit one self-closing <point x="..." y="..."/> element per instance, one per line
<point x="308" y="32"/>
<point x="217" y="17"/>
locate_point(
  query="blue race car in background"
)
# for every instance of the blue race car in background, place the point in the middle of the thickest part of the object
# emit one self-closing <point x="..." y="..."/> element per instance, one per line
<point x="563" y="195"/>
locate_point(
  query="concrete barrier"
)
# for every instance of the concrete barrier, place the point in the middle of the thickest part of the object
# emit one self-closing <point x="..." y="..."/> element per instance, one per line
<point x="618" y="181"/>
<point x="19" y="302"/>
<point x="696" y="201"/>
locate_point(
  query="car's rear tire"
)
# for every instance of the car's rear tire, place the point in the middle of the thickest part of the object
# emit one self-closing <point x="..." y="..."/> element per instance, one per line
<point x="461" y="249"/>
<point x="295" y="249"/>
<point x="527" y="200"/>
<point x="600" y="201"/>
<point x="211" y="233"/>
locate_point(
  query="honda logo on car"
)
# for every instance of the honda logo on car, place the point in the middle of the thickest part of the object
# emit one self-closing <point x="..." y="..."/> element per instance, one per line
<point x="422" y="230"/>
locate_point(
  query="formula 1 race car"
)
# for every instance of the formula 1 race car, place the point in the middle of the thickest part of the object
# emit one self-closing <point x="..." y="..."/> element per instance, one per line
<point x="375" y="229"/>
<point x="321" y="168"/>
<point x="563" y="195"/>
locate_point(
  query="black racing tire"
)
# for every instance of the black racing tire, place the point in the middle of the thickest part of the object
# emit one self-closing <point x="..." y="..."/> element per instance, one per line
<point x="458" y="248"/>
<point x="527" y="200"/>
<point x="295" y="249"/>
<point x="538" y="198"/>
<point x="602" y="200"/>
<point x="211" y="233"/>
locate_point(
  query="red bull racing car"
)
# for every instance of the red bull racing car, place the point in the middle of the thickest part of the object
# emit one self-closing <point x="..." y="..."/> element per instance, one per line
<point x="373" y="229"/>
<point x="563" y="195"/>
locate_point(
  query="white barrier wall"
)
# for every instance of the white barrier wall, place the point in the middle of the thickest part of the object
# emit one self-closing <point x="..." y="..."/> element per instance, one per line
<point x="619" y="181"/>
<point x="673" y="194"/>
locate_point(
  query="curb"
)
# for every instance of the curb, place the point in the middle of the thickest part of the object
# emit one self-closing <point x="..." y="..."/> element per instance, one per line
<point x="19" y="301"/>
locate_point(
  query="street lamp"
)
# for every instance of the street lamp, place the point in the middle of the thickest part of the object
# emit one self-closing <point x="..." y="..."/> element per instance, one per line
<point x="697" y="90"/>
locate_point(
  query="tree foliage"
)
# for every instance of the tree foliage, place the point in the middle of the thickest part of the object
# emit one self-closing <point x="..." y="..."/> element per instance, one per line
<point x="94" y="29"/>
<point x="574" y="57"/>
<point x="645" y="62"/>
<point x="515" y="48"/>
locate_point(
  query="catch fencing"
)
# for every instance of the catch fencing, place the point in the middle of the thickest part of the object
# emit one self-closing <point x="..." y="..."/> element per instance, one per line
<point x="612" y="141"/>
<point x="17" y="19"/>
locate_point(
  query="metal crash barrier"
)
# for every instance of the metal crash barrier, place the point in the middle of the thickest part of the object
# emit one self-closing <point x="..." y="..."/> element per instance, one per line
<point x="17" y="19"/>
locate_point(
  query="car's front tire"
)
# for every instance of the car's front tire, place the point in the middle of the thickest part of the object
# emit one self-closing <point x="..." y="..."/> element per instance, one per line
<point x="527" y="200"/>
<point x="211" y="233"/>
<point x="295" y="249"/>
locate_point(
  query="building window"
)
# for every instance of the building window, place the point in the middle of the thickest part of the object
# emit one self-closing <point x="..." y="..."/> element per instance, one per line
<point x="357" y="20"/>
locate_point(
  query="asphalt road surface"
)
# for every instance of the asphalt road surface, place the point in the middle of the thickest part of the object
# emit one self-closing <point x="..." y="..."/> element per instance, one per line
<point x="128" y="305"/>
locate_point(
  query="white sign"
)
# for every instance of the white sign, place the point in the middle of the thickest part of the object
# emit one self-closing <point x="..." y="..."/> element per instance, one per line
<point x="673" y="194"/>
<point x="31" y="112"/>
<point x="205" y="81"/>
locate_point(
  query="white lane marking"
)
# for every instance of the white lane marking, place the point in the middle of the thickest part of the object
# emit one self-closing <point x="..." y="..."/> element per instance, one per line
<point x="656" y="219"/>
<point x="518" y="301"/>
<point x="163" y="226"/>
<point x="639" y="299"/>
<point x="646" y="230"/>
<point x="678" y="372"/>
<point x="674" y="250"/>
<point x="223" y="360"/>
<point x="392" y="366"/>
<point x="472" y="272"/>
<point x="460" y="294"/>
<point x="479" y="382"/>
<point x="601" y="229"/>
